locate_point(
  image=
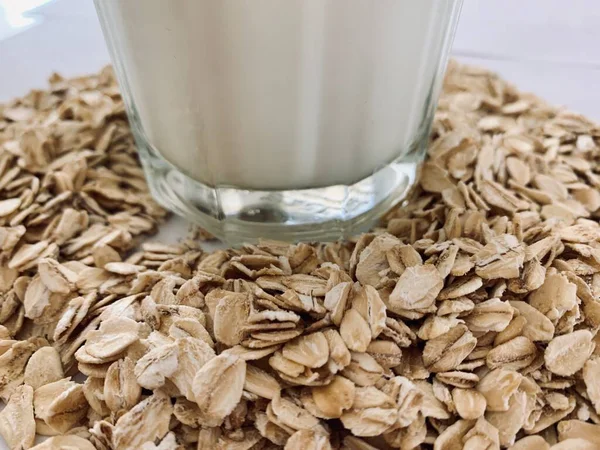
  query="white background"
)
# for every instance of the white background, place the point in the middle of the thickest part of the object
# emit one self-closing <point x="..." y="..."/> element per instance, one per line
<point x="550" y="47"/>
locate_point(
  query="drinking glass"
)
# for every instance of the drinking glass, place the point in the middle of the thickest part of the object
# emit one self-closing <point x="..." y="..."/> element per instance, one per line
<point x="286" y="119"/>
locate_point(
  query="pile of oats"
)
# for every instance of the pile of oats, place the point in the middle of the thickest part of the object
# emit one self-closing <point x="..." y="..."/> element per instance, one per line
<point x="469" y="322"/>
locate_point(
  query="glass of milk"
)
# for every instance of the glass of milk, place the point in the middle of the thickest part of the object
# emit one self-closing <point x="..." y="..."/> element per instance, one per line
<point x="285" y="119"/>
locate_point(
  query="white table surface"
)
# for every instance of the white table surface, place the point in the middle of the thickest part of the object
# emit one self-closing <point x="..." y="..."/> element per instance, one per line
<point x="550" y="47"/>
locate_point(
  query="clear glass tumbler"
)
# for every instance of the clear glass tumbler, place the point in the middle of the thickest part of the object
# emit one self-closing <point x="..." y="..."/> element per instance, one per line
<point x="287" y="119"/>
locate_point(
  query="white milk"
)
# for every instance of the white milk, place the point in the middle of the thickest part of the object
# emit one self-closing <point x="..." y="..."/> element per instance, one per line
<point x="279" y="94"/>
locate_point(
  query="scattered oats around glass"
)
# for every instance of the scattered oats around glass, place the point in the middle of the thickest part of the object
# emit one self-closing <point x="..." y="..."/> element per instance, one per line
<point x="468" y="320"/>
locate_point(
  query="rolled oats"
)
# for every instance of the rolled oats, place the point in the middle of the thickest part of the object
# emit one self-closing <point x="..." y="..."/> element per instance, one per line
<point x="490" y="315"/>
<point x="291" y="415"/>
<point x="373" y="259"/>
<point x="310" y="350"/>
<point x="155" y="366"/>
<point x="430" y="402"/>
<point x="218" y="386"/>
<point x="121" y="391"/>
<point x="112" y="338"/>
<point x="538" y="327"/>
<point x="387" y="354"/>
<point x="363" y="369"/>
<point x="336" y="301"/>
<point x="578" y="443"/>
<point x="270" y="431"/>
<point x="530" y="443"/>
<point x="339" y="355"/>
<point x="515" y="354"/>
<point x="286" y="366"/>
<point x="13" y="363"/>
<point x="230" y="317"/>
<point x="515" y="417"/>
<point x="453" y="436"/>
<point x="43" y="367"/>
<point x="417" y="288"/>
<point x="568" y="353"/>
<point x="65" y="442"/>
<point x="369" y="421"/>
<point x="308" y="440"/>
<point x="60" y="405"/>
<point x="335" y="397"/>
<point x="446" y="352"/>
<point x="483" y="435"/>
<point x="577" y="429"/>
<point x="17" y="424"/>
<point x="145" y="422"/>
<point x="498" y="386"/>
<point x="355" y="331"/>
<point x="470" y="404"/>
<point x="368" y="303"/>
<point x="555" y="297"/>
<point x="192" y="355"/>
<point x="467" y="322"/>
<point x="260" y="382"/>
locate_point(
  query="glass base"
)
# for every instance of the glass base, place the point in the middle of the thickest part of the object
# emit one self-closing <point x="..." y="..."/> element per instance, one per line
<point x="238" y="215"/>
